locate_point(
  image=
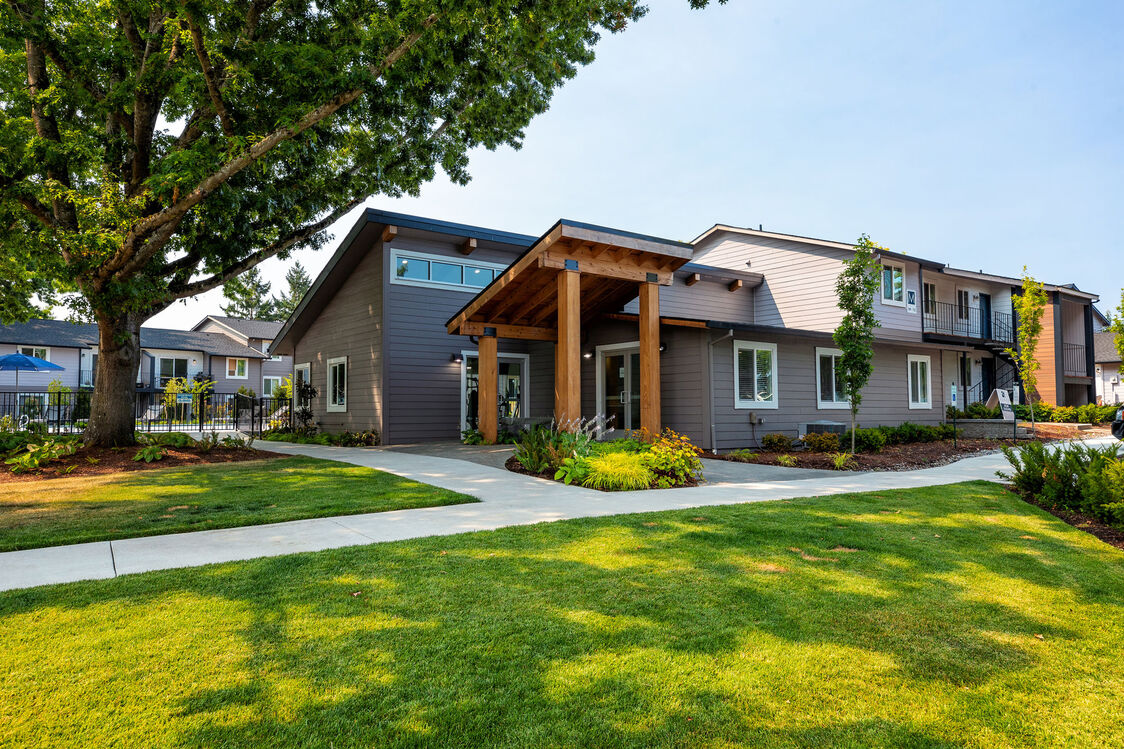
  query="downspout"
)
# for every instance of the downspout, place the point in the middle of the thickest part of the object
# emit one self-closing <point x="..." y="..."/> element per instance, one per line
<point x="710" y="388"/>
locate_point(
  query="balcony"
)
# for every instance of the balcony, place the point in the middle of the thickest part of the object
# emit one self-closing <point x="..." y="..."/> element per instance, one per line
<point x="954" y="320"/>
<point x="1074" y="363"/>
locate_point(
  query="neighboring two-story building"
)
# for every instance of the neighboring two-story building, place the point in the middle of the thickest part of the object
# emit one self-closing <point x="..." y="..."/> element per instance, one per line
<point x="420" y="328"/>
<point x="229" y="351"/>
<point x="1108" y="373"/>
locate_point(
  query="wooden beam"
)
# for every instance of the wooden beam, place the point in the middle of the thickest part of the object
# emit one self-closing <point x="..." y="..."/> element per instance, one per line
<point x="676" y="321"/>
<point x="389" y="232"/>
<point x="468" y="246"/>
<point x="650" y="357"/>
<point x="735" y="284"/>
<point x="522" y="332"/>
<point x="629" y="271"/>
<point x="567" y="353"/>
<point x="693" y="279"/>
<point x="537" y="299"/>
<point x="489" y="388"/>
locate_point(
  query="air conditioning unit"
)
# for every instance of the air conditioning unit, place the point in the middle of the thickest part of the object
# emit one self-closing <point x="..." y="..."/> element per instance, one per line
<point x="824" y="427"/>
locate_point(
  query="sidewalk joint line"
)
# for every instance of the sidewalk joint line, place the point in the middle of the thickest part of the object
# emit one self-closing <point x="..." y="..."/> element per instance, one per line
<point x="364" y="535"/>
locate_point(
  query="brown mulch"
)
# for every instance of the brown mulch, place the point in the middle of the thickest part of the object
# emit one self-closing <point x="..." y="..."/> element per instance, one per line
<point x="1111" y="535"/>
<point x="1050" y="431"/>
<point x="893" y="458"/>
<point x="120" y="460"/>
<point x="513" y="465"/>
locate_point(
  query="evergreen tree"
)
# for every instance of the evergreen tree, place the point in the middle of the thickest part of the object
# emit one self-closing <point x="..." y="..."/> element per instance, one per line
<point x="299" y="283"/>
<point x="248" y="297"/>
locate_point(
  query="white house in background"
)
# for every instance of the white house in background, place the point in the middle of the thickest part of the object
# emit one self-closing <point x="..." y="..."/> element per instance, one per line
<point x="1108" y="371"/>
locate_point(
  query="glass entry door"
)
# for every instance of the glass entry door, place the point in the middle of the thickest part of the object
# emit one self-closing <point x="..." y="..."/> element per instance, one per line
<point x="512" y="389"/>
<point x="620" y="388"/>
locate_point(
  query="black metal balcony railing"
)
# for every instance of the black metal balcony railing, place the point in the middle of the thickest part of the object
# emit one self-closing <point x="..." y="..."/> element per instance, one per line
<point x="943" y="318"/>
<point x="1073" y="360"/>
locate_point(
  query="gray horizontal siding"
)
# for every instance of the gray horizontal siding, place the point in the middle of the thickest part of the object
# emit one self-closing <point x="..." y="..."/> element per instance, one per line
<point x="705" y="300"/>
<point x="68" y="358"/>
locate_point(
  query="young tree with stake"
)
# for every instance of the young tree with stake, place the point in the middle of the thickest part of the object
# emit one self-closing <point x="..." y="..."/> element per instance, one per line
<point x="1029" y="307"/>
<point x="855" y="289"/>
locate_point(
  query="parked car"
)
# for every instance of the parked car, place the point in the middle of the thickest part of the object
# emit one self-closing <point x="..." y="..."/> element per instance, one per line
<point x="1118" y="425"/>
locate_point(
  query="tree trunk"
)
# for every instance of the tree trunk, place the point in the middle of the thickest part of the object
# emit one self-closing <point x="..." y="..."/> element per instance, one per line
<point x="113" y="405"/>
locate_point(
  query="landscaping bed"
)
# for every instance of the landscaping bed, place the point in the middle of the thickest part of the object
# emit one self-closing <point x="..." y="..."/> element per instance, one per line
<point x="891" y="458"/>
<point x="98" y="461"/>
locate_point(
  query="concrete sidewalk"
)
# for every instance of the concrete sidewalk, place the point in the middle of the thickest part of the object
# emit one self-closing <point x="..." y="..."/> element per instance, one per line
<point x="508" y="499"/>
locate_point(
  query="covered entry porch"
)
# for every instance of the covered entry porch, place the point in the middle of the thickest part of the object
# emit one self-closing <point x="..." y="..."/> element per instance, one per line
<point x="570" y="277"/>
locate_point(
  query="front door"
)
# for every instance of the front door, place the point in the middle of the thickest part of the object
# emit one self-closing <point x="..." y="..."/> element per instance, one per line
<point x="619" y="376"/>
<point x="985" y="315"/>
<point x="512" y="390"/>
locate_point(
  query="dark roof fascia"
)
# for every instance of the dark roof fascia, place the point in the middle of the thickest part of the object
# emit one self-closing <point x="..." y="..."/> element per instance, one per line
<point x="421" y="223"/>
<point x="930" y="264"/>
<point x="720" y="274"/>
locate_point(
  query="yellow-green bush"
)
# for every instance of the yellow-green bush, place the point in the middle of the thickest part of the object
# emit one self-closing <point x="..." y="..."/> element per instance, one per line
<point x="821" y="443"/>
<point x="618" y="472"/>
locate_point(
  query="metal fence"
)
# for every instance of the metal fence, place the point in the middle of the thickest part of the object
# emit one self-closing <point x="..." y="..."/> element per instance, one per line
<point x="156" y="411"/>
<point x="948" y="319"/>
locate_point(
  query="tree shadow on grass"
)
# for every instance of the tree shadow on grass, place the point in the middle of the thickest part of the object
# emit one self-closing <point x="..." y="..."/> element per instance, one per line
<point x="667" y="629"/>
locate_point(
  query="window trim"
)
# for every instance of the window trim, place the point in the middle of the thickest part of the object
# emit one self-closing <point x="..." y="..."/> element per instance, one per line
<point x="821" y="404"/>
<point x="186" y="369"/>
<point x="305" y="367"/>
<point x="927" y="299"/>
<point x="236" y="376"/>
<point x="964" y="313"/>
<point x="882" y="282"/>
<point x="329" y="406"/>
<point x="754" y="405"/>
<point x="910" y="359"/>
<point x="33" y="347"/>
<point x="270" y="377"/>
<point x="395" y="254"/>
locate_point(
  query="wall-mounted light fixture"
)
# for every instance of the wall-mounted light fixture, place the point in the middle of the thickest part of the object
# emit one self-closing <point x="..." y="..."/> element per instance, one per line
<point x="456" y="358"/>
<point x="663" y="347"/>
<point x="587" y="355"/>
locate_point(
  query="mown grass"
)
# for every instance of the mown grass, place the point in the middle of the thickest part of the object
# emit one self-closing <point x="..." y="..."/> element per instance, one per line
<point x="202" y="497"/>
<point x="949" y="616"/>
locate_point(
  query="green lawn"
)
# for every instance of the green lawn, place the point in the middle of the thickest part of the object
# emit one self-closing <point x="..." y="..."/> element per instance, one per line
<point x="951" y="616"/>
<point x="219" y="495"/>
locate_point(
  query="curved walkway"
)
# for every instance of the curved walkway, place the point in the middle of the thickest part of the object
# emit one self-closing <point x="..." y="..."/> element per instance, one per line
<point x="507" y="499"/>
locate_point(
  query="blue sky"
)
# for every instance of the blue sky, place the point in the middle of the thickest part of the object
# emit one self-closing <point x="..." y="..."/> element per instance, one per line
<point x="987" y="135"/>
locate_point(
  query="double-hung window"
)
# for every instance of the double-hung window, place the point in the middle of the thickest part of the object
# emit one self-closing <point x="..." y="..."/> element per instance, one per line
<point x="829" y="380"/>
<point x="963" y="302"/>
<point x="755" y="375"/>
<point x="337" y="384"/>
<point x="893" y="284"/>
<point x="236" y="369"/>
<point x="268" y="385"/>
<point x="920" y="386"/>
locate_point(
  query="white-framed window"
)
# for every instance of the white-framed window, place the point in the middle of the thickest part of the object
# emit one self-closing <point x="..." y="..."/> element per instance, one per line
<point x="39" y="352"/>
<point x="337" y="384"/>
<point x="302" y="374"/>
<point x="893" y="284"/>
<point x="237" y="369"/>
<point x="437" y="271"/>
<point x="171" y="367"/>
<point x="268" y="385"/>
<point x="929" y="298"/>
<point x="829" y="381"/>
<point x="755" y="375"/>
<point x="920" y="384"/>
<point x="963" y="303"/>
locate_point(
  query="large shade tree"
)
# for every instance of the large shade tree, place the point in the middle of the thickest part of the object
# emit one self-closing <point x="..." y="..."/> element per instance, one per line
<point x="152" y="150"/>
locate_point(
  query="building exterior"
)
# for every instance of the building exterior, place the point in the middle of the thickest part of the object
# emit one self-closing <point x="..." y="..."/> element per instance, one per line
<point x="1110" y="388"/>
<point x="421" y="328"/>
<point x="258" y="335"/>
<point x="226" y="358"/>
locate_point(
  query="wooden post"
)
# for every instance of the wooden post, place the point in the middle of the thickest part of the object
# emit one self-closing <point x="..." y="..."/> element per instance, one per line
<point x="650" y="357"/>
<point x="567" y="352"/>
<point x="489" y="387"/>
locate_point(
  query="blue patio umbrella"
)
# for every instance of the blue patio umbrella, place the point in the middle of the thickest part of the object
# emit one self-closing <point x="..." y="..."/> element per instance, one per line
<point x="24" y="363"/>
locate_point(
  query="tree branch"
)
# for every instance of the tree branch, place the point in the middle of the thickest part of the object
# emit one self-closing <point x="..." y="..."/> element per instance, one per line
<point x="154" y="231"/>
<point x="218" y="279"/>
<point x="48" y="128"/>
<point x="209" y="76"/>
<point x="129" y="28"/>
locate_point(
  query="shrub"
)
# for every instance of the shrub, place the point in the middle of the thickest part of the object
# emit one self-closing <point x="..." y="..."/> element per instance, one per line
<point x="1076" y="477"/>
<point x="842" y="461"/>
<point x="776" y="442"/>
<point x="618" y="471"/>
<point x="821" y="443"/>
<point x="172" y="439"/>
<point x="980" y="411"/>
<point x="1103" y="490"/>
<point x="35" y="455"/>
<point x="743" y="456"/>
<point x="673" y="460"/>
<point x="542" y="448"/>
<point x="1042" y="412"/>
<point x="149" y="453"/>
<point x="866" y="440"/>
<point x="572" y="470"/>
<point x="1064" y="414"/>
<point x="788" y="461"/>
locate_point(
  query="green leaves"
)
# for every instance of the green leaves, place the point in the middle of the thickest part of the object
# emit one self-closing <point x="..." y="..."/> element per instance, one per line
<point x="1029" y="306"/>
<point x="855" y="289"/>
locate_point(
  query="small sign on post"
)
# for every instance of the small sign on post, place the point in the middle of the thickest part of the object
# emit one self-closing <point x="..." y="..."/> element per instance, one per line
<point x="953" y="402"/>
<point x="184" y="398"/>
<point x="952" y="394"/>
<point x="1001" y="399"/>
